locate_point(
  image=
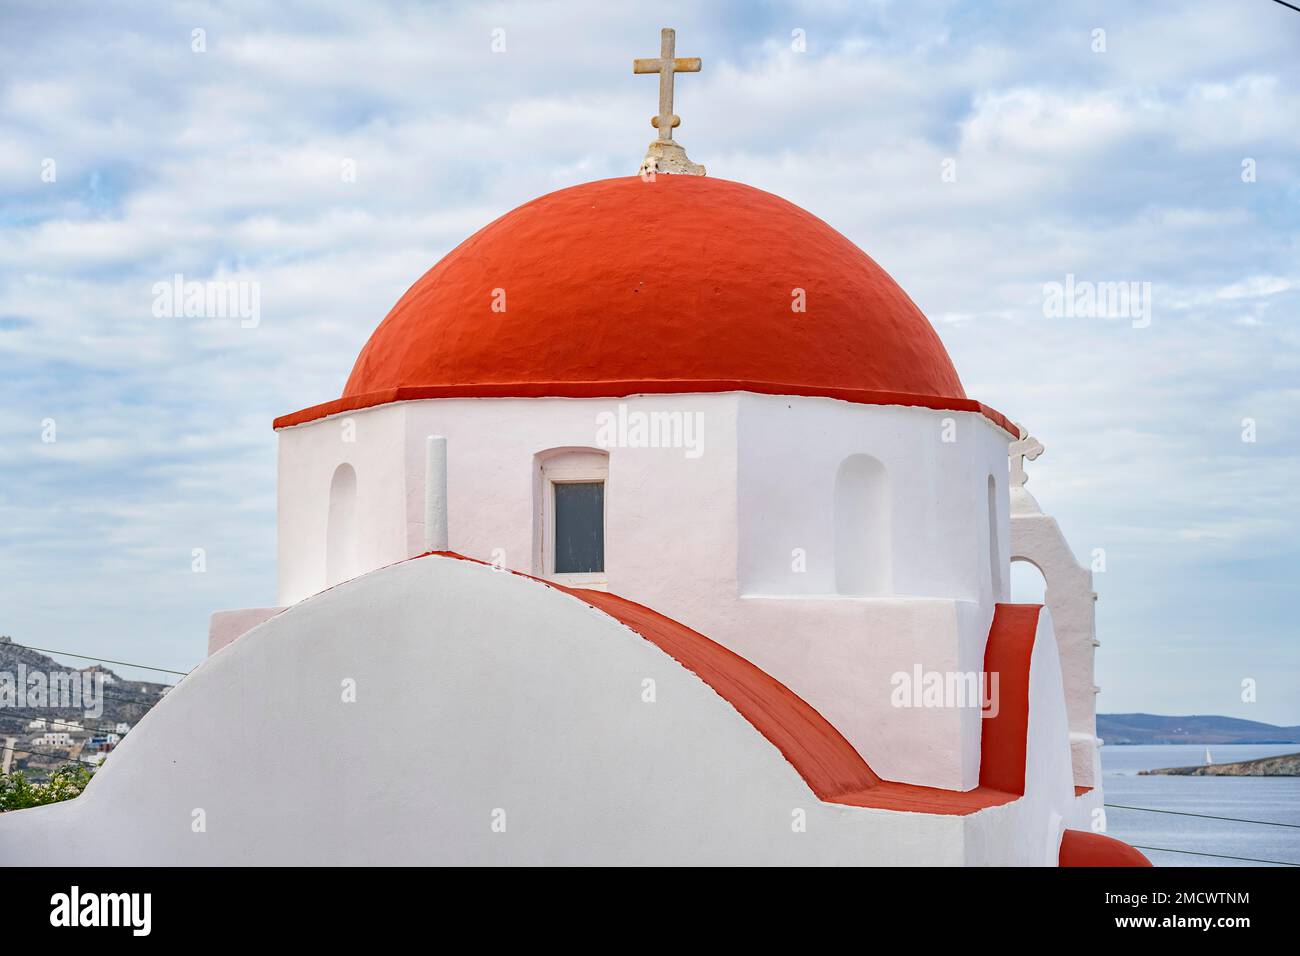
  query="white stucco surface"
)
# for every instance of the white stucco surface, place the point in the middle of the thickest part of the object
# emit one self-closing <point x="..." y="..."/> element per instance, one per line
<point x="734" y="536"/>
<point x="1037" y="538"/>
<point x="509" y="696"/>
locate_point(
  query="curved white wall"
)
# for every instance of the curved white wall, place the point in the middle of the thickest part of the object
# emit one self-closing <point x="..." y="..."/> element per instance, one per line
<point x="395" y="718"/>
<point x="476" y="692"/>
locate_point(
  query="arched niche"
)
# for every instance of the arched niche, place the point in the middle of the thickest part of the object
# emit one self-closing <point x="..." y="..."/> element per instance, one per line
<point x="862" y="529"/>
<point x="341" y="540"/>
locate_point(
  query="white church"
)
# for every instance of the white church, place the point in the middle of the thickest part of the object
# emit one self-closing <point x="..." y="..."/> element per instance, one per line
<point x="656" y="516"/>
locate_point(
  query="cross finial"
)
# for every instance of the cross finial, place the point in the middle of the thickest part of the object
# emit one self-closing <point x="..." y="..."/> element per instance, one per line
<point x="1026" y="446"/>
<point x="665" y="155"/>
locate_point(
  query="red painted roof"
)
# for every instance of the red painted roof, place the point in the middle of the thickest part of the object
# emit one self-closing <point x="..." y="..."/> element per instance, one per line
<point x="680" y="284"/>
<point x="1082" y="848"/>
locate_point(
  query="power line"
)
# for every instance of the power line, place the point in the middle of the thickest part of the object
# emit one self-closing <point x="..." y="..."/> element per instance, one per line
<point x="1285" y="4"/>
<point x="1218" y="856"/>
<point x="148" y="705"/>
<point x="64" y="725"/>
<point x="1205" y="816"/>
<point x="42" y="753"/>
<point x="102" y="660"/>
<point x="145" y="701"/>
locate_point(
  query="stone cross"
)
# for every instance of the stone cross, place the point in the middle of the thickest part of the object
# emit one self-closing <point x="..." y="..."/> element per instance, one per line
<point x="667" y="65"/>
<point x="665" y="155"/>
<point x="1024" y="447"/>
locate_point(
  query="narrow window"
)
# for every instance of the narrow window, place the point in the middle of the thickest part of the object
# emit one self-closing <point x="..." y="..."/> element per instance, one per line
<point x="579" y="527"/>
<point x="569" y="492"/>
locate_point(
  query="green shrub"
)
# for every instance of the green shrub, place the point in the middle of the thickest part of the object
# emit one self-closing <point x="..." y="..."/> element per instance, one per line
<point x="17" y="793"/>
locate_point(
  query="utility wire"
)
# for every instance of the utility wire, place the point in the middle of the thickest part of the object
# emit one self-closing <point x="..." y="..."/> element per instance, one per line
<point x="58" y="725"/>
<point x="147" y="704"/>
<point x="107" y="696"/>
<point x="1285" y="4"/>
<point x="1205" y="816"/>
<point x="1217" y="856"/>
<point x="42" y="753"/>
<point x="123" y="700"/>
<point x="102" y="660"/>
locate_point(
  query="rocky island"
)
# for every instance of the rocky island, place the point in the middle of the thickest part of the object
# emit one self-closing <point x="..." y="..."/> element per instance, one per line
<point x="1283" y="765"/>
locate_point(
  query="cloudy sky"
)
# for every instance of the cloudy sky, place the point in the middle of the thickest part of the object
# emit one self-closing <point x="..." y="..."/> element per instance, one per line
<point x="127" y="156"/>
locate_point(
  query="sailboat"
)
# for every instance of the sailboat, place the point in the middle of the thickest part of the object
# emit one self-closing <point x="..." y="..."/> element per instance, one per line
<point x="1208" y="759"/>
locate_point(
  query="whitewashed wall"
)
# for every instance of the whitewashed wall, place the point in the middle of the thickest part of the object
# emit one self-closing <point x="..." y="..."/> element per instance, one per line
<point x="373" y="442"/>
<point x="511" y="697"/>
<point x="1038" y="539"/>
<point x="708" y="539"/>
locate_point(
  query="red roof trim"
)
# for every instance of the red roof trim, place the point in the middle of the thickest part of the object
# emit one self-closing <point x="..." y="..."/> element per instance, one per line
<point x="827" y="762"/>
<point x="1005" y="740"/>
<point x="623" y="389"/>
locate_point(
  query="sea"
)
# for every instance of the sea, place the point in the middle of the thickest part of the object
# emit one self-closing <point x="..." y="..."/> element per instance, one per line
<point x="1170" y="840"/>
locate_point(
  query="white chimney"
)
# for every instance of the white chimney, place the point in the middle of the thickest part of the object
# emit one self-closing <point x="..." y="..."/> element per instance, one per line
<point x="435" y="493"/>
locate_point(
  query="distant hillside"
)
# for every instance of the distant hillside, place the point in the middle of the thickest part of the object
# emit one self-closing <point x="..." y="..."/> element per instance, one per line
<point x="1286" y="765"/>
<point x="1195" y="729"/>
<point x="124" y="702"/>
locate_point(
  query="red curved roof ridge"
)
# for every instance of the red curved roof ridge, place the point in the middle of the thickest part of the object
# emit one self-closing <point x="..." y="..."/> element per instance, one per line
<point x="828" y="763"/>
<point x="1084" y="848"/>
<point x="831" y="766"/>
<point x="604" y="389"/>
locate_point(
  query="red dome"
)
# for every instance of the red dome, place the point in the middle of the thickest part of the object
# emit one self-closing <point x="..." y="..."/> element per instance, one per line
<point x="681" y="284"/>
